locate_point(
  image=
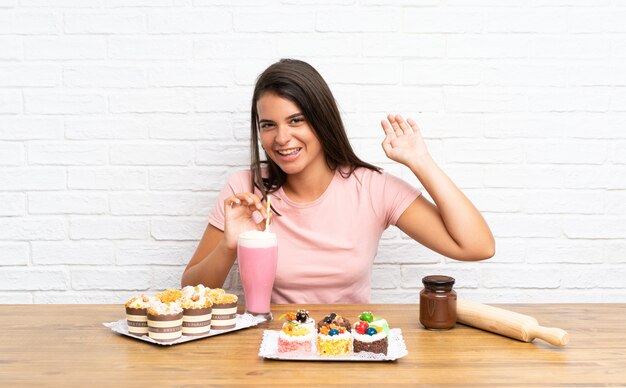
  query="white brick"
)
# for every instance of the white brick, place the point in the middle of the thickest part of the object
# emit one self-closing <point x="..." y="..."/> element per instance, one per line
<point x="498" y="46"/>
<point x="616" y="177"/>
<point x="234" y="47"/>
<point x="14" y="253"/>
<point x="385" y="277"/>
<point x="496" y="200"/>
<point x="68" y="154"/>
<point x="18" y="279"/>
<point x="58" y="48"/>
<point x="158" y="48"/>
<point x="490" y="3"/>
<point x="29" y="23"/>
<point x="325" y="45"/>
<point x="413" y="3"/>
<point x="428" y="21"/>
<point x="594" y="226"/>
<point x="483" y="151"/>
<point x="11" y="154"/>
<point x="284" y="22"/>
<point x="12" y="204"/>
<point x="150" y="102"/>
<point x="118" y="178"/>
<point x="223" y="155"/>
<point x="521" y="225"/>
<point x="222" y="100"/>
<point x="615" y="251"/>
<point x="192" y="179"/>
<point x="400" y="99"/>
<point x="67" y="203"/>
<point x="212" y="3"/>
<point x="168" y="204"/>
<point x="523" y="126"/>
<point x="466" y="277"/>
<point x="156" y="253"/>
<point x="83" y="297"/>
<point x="537" y="21"/>
<point x="63" y="103"/>
<point x="475" y="100"/>
<point x="191" y="75"/>
<point x="404" y="45"/>
<point x="466" y="177"/>
<point x="27" y="128"/>
<point x="515" y="176"/>
<point x="60" y="3"/>
<point x="405" y="252"/>
<point x="104" y="76"/>
<point x="190" y="22"/>
<point x="509" y="250"/>
<point x="566" y="3"/>
<point x="396" y="296"/>
<point x="569" y="152"/>
<point x="357" y="20"/>
<point x="99" y="22"/>
<point x="10" y="48"/>
<point x="81" y="128"/>
<point x="196" y="127"/>
<point x="139" y="3"/>
<point x="40" y="178"/>
<point x="32" y="228"/>
<point x="510" y="74"/>
<point x="115" y="228"/>
<point x="30" y="76"/>
<point x="619" y="48"/>
<point x="569" y="100"/>
<point x="521" y="277"/>
<point x="178" y="228"/>
<point x="152" y="154"/>
<point x="73" y="253"/>
<point x="600" y="277"/>
<point x="579" y="47"/>
<point x="440" y="73"/>
<point x="586" y="177"/>
<point x="10" y="102"/>
<point x="110" y="279"/>
<point x="563" y="202"/>
<point x="564" y="251"/>
<point x="597" y="75"/>
<point x="386" y="73"/>
<point x="16" y="298"/>
<point x="615" y="202"/>
<point x="606" y="20"/>
<point x="168" y="277"/>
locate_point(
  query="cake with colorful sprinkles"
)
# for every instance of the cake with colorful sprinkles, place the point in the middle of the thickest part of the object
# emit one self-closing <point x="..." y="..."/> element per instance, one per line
<point x="333" y="338"/>
<point x="370" y="334"/>
<point x="297" y="333"/>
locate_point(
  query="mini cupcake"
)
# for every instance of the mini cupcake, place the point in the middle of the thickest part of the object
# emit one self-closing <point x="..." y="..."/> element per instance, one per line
<point x="224" y="309"/>
<point x="295" y="336"/>
<point x="197" y="310"/>
<point x="370" y="334"/>
<point x="333" y="338"/>
<point x="136" y="314"/>
<point x="165" y="321"/>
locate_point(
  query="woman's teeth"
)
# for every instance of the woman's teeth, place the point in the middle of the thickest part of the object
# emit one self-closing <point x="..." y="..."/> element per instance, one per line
<point x="290" y="151"/>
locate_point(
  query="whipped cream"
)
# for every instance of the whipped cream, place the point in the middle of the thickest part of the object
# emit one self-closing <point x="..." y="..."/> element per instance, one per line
<point x="257" y="239"/>
<point x="140" y="302"/>
<point x="161" y="308"/>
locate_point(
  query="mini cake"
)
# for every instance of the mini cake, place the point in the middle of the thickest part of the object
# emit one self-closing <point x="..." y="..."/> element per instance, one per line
<point x="197" y="309"/>
<point x="137" y="314"/>
<point x="169" y="295"/>
<point x="224" y="309"/>
<point x="165" y="321"/>
<point x="295" y="336"/>
<point x="334" y="337"/>
<point x="370" y="334"/>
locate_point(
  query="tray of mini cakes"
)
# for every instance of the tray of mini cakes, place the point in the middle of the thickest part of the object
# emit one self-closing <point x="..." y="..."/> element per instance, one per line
<point x="175" y="316"/>
<point x="333" y="338"/>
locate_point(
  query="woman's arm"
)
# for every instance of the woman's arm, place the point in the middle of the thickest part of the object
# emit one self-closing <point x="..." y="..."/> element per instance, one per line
<point x="452" y="226"/>
<point x="217" y="250"/>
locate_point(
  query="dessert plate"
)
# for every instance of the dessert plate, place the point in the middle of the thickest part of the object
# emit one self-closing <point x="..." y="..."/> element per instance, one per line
<point x="396" y="350"/>
<point x="243" y="321"/>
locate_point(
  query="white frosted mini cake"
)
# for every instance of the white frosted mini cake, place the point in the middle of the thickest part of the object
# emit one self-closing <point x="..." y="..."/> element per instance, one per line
<point x="165" y="321"/>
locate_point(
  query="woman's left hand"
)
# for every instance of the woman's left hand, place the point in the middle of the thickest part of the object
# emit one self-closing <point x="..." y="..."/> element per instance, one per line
<point x="403" y="142"/>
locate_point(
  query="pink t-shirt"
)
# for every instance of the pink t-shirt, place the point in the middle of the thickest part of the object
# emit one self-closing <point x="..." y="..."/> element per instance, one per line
<point x="326" y="248"/>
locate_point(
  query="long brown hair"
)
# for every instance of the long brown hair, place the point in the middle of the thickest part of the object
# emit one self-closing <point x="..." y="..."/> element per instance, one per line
<point x="300" y="83"/>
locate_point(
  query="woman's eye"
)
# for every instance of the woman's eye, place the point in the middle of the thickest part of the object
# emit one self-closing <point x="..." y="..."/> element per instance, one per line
<point x="297" y="120"/>
<point x="266" y="125"/>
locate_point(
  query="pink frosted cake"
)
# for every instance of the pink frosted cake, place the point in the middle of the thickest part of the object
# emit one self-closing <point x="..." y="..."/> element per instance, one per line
<point x="296" y="334"/>
<point x="137" y="314"/>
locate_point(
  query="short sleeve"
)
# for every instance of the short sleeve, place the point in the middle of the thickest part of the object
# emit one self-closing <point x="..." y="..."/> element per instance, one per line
<point x="396" y="195"/>
<point x="237" y="183"/>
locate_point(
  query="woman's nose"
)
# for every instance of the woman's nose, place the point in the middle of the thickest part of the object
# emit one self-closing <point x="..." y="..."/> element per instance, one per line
<point x="283" y="134"/>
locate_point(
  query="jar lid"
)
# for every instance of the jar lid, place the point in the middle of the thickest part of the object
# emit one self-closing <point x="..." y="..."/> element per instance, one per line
<point x="438" y="280"/>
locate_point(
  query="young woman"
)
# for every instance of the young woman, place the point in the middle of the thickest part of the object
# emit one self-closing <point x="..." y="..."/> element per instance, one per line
<point x="332" y="207"/>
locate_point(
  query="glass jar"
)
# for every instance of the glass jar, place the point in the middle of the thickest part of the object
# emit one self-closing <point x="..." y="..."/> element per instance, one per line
<point x="438" y="303"/>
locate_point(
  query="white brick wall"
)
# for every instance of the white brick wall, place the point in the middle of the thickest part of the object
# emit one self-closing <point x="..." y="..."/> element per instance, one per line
<point x="121" y="120"/>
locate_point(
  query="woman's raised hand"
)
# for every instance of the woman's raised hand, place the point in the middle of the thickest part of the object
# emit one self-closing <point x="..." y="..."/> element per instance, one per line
<point x="238" y="211"/>
<point x="403" y="141"/>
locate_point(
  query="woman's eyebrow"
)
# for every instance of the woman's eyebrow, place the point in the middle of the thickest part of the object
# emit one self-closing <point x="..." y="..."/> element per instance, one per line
<point x="286" y="118"/>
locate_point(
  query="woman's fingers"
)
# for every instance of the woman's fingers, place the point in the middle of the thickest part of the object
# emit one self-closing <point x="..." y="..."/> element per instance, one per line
<point x="413" y="125"/>
<point x="387" y="128"/>
<point x="395" y="125"/>
<point x="403" y="125"/>
<point x="250" y="200"/>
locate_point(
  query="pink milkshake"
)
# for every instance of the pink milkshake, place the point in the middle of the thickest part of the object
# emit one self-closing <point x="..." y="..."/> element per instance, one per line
<point x="257" y="258"/>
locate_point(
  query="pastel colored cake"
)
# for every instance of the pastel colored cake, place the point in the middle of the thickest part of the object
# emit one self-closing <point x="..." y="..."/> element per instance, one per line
<point x="297" y="332"/>
<point x="334" y="338"/>
<point x="197" y="310"/>
<point x="165" y="321"/>
<point x="137" y="314"/>
<point x="224" y="309"/>
<point x="370" y="334"/>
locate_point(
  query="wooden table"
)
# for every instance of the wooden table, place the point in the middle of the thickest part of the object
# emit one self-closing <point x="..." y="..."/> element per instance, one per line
<point x="66" y="345"/>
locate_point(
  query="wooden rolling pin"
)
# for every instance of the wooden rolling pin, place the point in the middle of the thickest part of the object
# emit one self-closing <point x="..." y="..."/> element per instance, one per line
<point x="507" y="323"/>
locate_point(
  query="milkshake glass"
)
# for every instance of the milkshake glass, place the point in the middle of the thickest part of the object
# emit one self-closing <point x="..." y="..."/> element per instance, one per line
<point x="257" y="255"/>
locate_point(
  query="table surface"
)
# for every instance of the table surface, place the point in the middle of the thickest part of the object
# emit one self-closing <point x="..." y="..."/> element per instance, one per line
<point x="67" y="345"/>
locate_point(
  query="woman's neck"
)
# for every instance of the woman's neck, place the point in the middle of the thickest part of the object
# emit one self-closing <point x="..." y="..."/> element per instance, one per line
<point x="308" y="187"/>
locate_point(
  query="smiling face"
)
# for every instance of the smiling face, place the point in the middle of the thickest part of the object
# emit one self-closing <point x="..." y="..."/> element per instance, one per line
<point x="287" y="137"/>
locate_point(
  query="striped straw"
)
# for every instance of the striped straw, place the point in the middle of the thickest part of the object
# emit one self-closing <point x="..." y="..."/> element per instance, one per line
<point x="269" y="215"/>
